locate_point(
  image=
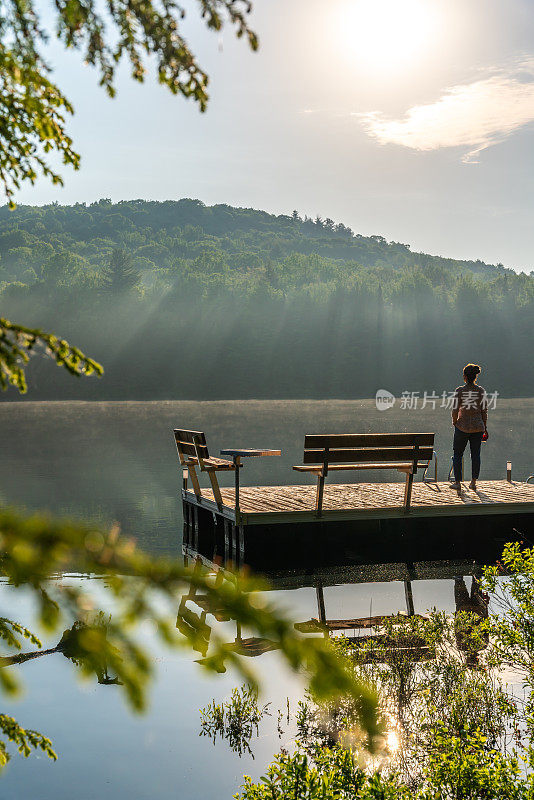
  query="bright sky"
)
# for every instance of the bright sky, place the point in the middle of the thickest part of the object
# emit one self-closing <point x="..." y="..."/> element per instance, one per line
<point x="412" y="119"/>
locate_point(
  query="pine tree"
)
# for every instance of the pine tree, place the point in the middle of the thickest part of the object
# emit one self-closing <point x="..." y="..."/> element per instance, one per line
<point x="120" y="276"/>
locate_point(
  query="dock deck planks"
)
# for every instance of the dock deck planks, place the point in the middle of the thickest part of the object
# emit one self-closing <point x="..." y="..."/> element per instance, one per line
<point x="376" y="498"/>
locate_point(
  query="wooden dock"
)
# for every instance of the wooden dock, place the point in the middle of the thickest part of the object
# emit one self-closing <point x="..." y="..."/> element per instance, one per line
<point x="356" y="500"/>
<point x="353" y="515"/>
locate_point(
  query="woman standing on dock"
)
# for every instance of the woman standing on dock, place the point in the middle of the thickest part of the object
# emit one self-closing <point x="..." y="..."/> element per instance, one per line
<point x="469" y="418"/>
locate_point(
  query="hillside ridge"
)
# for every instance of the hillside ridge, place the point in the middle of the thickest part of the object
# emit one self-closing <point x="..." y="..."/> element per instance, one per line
<point x="144" y="227"/>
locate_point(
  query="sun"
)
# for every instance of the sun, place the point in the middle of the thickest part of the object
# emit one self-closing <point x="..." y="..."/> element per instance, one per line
<point x="392" y="740"/>
<point x="385" y="36"/>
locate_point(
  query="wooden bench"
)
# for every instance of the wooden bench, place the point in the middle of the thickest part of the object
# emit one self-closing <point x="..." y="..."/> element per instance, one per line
<point x="404" y="452"/>
<point x="193" y="452"/>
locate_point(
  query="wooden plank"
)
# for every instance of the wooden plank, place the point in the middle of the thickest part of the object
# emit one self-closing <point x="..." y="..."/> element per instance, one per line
<point x="378" y="499"/>
<point x="368" y="454"/>
<point x="250" y="452"/>
<point x="341" y="440"/>
<point x="335" y="467"/>
<point x="251" y="503"/>
<point x="408" y="491"/>
<point x="188" y="448"/>
<point x="188" y="436"/>
<point x="217" y="464"/>
<point x="279" y="504"/>
<point x="365" y="514"/>
<point x="320" y="493"/>
<point x="207" y="502"/>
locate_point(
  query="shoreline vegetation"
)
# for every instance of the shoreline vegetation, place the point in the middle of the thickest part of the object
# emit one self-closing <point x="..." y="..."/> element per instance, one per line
<point x="180" y="300"/>
<point x="456" y="725"/>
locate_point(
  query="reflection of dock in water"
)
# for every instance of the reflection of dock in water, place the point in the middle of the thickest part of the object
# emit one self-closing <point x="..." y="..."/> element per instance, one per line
<point x="383" y="634"/>
<point x="325" y="564"/>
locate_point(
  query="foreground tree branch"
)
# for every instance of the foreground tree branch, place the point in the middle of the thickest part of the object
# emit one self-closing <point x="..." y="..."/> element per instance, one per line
<point x="33" y="109"/>
<point x="17" y="344"/>
<point x="38" y="550"/>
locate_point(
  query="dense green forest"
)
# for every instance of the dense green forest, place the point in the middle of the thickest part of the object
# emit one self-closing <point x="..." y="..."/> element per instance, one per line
<point x="181" y="300"/>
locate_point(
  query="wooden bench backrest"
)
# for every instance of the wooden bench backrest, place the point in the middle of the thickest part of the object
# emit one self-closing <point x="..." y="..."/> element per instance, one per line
<point x="358" y="448"/>
<point x="185" y="442"/>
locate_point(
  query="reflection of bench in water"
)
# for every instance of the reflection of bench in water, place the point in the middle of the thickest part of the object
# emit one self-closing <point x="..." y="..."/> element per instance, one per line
<point x="395" y="652"/>
<point x="389" y="639"/>
<point x="386" y="636"/>
<point x="195" y="627"/>
<point x="363" y="623"/>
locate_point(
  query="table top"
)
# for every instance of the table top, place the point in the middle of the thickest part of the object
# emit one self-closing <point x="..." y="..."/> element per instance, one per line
<point x="249" y="451"/>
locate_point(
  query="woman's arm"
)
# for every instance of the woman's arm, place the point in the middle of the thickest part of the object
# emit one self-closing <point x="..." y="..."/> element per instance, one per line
<point x="484" y="410"/>
<point x="455" y="407"/>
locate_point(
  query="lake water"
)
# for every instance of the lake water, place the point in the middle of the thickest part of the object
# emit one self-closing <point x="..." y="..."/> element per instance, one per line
<point x="117" y="462"/>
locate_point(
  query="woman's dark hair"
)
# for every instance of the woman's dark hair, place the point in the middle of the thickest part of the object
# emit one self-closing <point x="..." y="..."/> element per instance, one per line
<point x="471" y="371"/>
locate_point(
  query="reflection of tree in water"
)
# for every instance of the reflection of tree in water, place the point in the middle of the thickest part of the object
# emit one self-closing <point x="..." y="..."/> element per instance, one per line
<point x="423" y="669"/>
<point x="236" y="720"/>
<point x="73" y="648"/>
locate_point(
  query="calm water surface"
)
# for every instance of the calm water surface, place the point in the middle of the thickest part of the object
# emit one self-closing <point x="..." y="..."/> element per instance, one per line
<point x="117" y="462"/>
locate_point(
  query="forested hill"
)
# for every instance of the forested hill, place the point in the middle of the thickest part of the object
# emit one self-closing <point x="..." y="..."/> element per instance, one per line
<point x="160" y="235"/>
<point x="180" y="300"/>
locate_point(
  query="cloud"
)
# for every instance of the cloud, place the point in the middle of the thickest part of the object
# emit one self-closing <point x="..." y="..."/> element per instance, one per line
<point x="473" y="115"/>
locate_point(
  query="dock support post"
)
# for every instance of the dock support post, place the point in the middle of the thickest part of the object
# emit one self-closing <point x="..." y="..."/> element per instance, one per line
<point x="319" y="495"/>
<point x="320" y="603"/>
<point x="215" y="536"/>
<point x="409" y="598"/>
<point x="226" y="541"/>
<point x="241" y="544"/>
<point x="237" y="467"/>
<point x="186" y="535"/>
<point x="195" y="528"/>
<point x="235" y="550"/>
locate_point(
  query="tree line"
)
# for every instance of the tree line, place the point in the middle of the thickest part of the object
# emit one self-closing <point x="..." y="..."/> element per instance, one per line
<point x="178" y="299"/>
